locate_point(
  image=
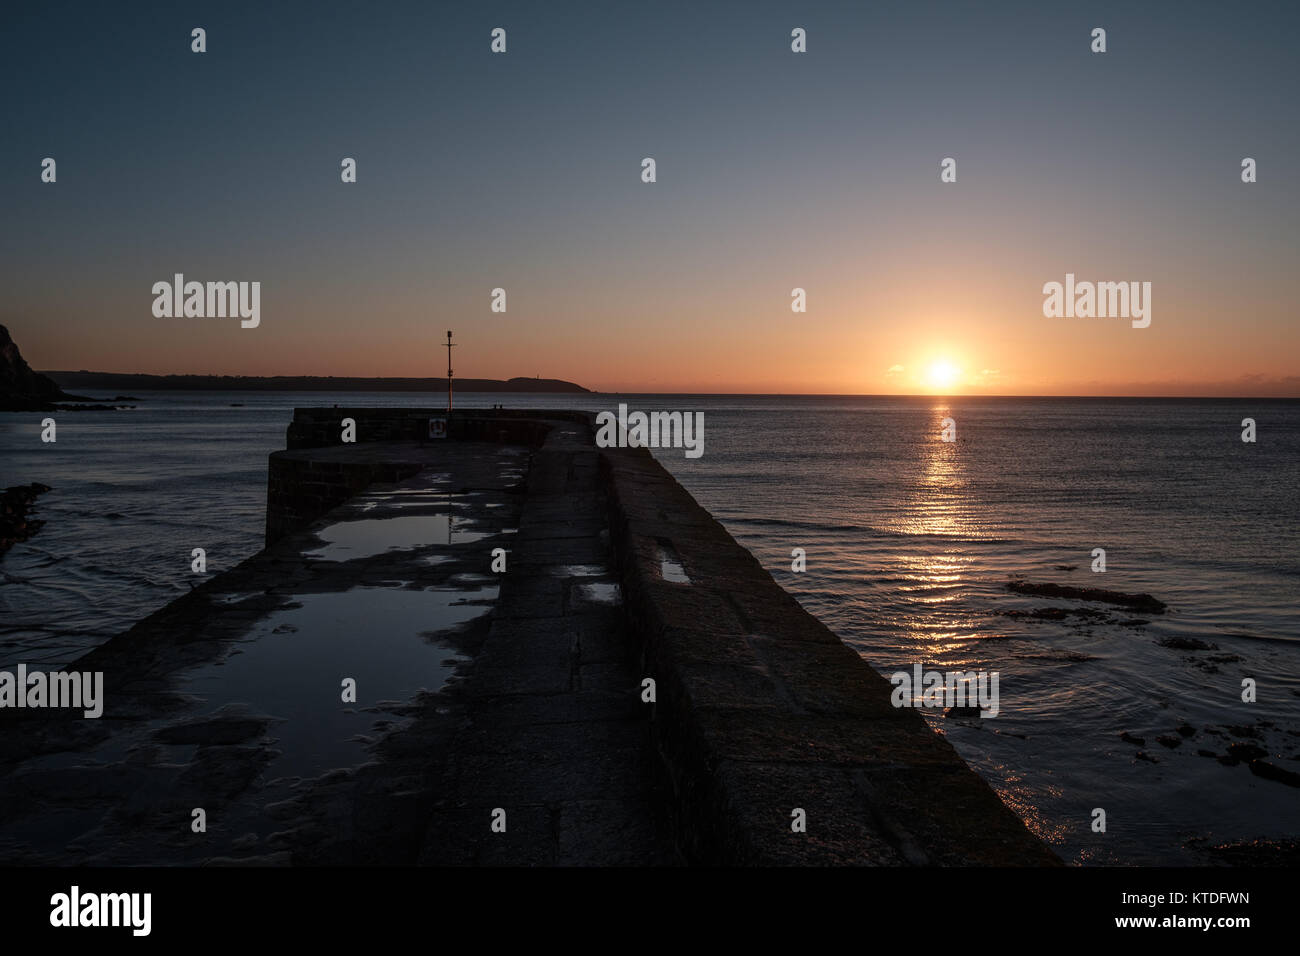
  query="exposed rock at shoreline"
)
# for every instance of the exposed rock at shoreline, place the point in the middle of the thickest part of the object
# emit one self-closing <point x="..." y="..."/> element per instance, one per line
<point x="15" y="526"/>
<point x="1262" y="852"/>
<point x="1138" y="602"/>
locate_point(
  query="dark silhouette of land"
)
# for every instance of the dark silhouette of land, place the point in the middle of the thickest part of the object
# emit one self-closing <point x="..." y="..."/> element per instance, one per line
<point x="21" y="389"/>
<point x="118" y="381"/>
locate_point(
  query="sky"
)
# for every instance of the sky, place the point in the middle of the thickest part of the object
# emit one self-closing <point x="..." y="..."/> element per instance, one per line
<point x="775" y="170"/>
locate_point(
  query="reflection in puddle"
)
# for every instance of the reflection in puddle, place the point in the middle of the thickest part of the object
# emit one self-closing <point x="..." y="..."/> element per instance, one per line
<point x="373" y="635"/>
<point x="578" y="571"/>
<point x="367" y="537"/>
<point x="670" y="566"/>
<point x="599" y="592"/>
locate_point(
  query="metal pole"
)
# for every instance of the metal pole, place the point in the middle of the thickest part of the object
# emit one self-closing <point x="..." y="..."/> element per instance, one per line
<point x="449" y="346"/>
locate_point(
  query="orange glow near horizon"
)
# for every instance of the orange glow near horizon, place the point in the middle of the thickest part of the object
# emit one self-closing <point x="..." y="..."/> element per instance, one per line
<point x="638" y="338"/>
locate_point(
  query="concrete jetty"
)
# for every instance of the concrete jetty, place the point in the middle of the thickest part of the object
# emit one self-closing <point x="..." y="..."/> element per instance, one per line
<point x="501" y="716"/>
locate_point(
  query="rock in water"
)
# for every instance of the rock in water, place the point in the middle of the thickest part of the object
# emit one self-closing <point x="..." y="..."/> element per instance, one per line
<point x="15" y="526"/>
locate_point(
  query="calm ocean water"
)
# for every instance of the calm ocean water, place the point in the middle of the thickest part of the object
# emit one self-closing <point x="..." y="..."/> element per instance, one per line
<point x="910" y="542"/>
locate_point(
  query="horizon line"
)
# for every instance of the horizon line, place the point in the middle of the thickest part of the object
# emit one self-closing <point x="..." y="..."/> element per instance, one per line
<point x="704" y="394"/>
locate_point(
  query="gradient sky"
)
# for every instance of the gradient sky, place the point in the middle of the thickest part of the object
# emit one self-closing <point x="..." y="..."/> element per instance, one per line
<point x="775" y="170"/>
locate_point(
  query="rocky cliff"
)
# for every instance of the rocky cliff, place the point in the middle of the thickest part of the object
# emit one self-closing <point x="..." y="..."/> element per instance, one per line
<point x="21" y="389"/>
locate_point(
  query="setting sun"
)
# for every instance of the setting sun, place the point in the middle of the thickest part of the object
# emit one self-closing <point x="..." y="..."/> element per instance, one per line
<point x="941" y="374"/>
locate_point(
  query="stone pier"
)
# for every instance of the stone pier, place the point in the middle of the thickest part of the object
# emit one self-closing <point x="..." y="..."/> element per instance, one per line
<point x="508" y="593"/>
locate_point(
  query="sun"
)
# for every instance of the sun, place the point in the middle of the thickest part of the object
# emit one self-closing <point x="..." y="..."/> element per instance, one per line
<point x="942" y="374"/>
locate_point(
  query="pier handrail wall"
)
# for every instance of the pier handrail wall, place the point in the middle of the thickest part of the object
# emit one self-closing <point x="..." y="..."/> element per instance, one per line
<point x="761" y="711"/>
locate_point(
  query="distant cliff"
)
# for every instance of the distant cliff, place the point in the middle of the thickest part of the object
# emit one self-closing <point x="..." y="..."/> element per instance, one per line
<point x="119" y="382"/>
<point x="21" y="389"/>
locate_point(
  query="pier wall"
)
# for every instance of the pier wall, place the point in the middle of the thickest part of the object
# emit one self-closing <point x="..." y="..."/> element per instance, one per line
<point x="761" y="710"/>
<point x="302" y="487"/>
<point x="322" y="427"/>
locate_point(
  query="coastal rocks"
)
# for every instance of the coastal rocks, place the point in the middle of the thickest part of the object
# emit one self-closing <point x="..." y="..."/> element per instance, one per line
<point x="1271" y="771"/>
<point x="15" y="502"/>
<point x="1186" y="644"/>
<point x="1242" y="752"/>
<point x="1250" y="748"/>
<point x="1137" y="602"/>
<point x="1257" y="853"/>
<point x="1206" y="662"/>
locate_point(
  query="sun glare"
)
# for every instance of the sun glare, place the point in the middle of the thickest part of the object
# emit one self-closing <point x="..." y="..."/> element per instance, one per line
<point x="941" y="374"/>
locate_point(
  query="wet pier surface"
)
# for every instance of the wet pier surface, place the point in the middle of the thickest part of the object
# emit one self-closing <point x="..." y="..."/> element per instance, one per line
<point x="554" y="731"/>
<point x="475" y="691"/>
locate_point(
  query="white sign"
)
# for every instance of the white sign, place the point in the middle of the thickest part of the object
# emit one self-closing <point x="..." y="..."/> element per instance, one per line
<point x="437" y="428"/>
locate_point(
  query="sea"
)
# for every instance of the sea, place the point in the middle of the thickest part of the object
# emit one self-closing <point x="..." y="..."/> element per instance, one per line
<point x="1122" y="737"/>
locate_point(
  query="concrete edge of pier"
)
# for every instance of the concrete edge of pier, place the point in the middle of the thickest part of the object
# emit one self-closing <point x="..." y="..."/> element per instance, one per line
<point x="761" y="711"/>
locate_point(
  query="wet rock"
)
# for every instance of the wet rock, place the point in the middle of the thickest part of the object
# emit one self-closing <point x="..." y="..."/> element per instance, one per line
<point x="1258" y="853"/>
<point x="1186" y="644"/>
<point x="1210" y="664"/>
<point x="1133" y="739"/>
<point x="1169" y="740"/>
<point x="15" y="503"/>
<point x="1137" y="602"/>
<point x="1187" y="730"/>
<point x="1244" y="752"/>
<point x="1143" y="755"/>
<point x="1270" y="771"/>
<point x="1057" y="613"/>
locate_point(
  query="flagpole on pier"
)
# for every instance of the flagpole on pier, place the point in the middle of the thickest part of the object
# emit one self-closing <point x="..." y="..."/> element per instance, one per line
<point x="449" y="348"/>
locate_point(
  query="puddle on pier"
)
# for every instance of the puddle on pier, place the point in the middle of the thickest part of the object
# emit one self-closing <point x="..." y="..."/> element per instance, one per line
<point x="234" y="597"/>
<point x="670" y="565"/>
<point x="292" y="664"/>
<point x="599" y="592"/>
<point x="369" y="537"/>
<point x="578" y="571"/>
